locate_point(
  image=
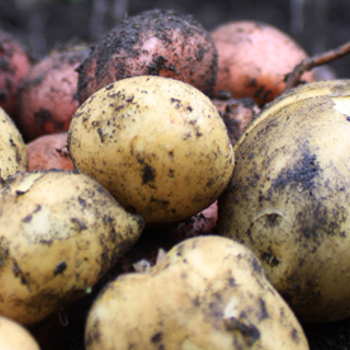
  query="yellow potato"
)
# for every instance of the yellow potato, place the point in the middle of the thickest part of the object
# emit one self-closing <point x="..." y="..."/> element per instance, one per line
<point x="60" y="232"/>
<point x="288" y="199"/>
<point x="14" y="336"/>
<point x="208" y="293"/>
<point x="157" y="144"/>
<point x="13" y="151"/>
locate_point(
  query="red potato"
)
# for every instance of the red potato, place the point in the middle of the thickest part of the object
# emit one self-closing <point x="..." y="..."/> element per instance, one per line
<point x="14" y="66"/>
<point x="48" y="97"/>
<point x="153" y="43"/>
<point x="254" y="59"/>
<point x="237" y="114"/>
<point x="49" y="152"/>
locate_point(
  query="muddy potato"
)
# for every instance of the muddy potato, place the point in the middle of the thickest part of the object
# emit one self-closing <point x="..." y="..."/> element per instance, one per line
<point x="60" y="232"/>
<point x="288" y="199"/>
<point x="14" y="336"/>
<point x="13" y="150"/>
<point x="157" y="144"/>
<point x="253" y="59"/>
<point x="156" y="42"/>
<point x="207" y="293"/>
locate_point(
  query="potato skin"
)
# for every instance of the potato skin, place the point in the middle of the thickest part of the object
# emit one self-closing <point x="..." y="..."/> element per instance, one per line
<point x="60" y="232"/>
<point x="155" y="42"/>
<point x="157" y="144"/>
<point x="253" y="59"/>
<point x="13" y="150"/>
<point x="49" y="152"/>
<point x="14" y="336"/>
<point x="208" y="293"/>
<point x="288" y="198"/>
<point x="48" y="96"/>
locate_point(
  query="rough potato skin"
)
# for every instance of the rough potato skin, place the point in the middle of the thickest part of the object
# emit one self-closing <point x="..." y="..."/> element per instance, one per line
<point x="254" y="58"/>
<point x="157" y="144"/>
<point x="208" y="293"/>
<point x="48" y="96"/>
<point x="15" y="63"/>
<point x="155" y="42"/>
<point x="60" y="232"/>
<point x="288" y="198"/>
<point x="13" y="151"/>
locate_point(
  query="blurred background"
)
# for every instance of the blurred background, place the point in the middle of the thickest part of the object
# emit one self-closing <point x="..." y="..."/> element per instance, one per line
<point x="317" y="25"/>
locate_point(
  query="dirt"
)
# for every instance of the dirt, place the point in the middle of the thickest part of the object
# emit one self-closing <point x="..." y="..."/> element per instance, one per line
<point x="322" y="25"/>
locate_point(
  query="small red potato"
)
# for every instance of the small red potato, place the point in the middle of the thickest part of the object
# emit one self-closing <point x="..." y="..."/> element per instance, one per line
<point x="237" y="114"/>
<point x="14" y="66"/>
<point x="254" y="58"/>
<point x="49" y="152"/>
<point x="48" y="98"/>
<point x="152" y="43"/>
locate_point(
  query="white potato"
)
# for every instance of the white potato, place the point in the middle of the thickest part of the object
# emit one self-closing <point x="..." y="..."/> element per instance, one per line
<point x="60" y="232"/>
<point x="157" y="144"/>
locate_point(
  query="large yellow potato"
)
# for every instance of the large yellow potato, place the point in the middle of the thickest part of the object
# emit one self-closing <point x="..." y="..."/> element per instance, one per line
<point x="157" y="144"/>
<point x="60" y="232"/>
<point x="14" y="336"/>
<point x="13" y="156"/>
<point x="208" y="293"/>
<point x="288" y="199"/>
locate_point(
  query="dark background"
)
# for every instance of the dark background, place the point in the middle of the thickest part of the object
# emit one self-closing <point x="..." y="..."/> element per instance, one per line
<point x="318" y="25"/>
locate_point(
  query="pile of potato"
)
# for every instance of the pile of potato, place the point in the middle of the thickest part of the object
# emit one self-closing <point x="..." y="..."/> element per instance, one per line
<point x="165" y="176"/>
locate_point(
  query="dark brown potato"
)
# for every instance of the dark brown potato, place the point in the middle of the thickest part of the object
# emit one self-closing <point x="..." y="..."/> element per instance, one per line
<point x="49" y="152"/>
<point x="14" y="66"/>
<point x="48" y="97"/>
<point x="153" y="43"/>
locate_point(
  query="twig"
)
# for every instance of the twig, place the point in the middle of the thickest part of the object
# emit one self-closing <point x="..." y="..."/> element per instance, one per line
<point x="293" y="79"/>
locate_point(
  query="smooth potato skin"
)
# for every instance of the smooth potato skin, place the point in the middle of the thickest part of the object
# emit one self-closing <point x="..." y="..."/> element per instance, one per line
<point x="14" y="336"/>
<point x="60" y="232"/>
<point x="288" y="198"/>
<point x="208" y="293"/>
<point x="253" y="59"/>
<point x="157" y="144"/>
<point x="13" y="150"/>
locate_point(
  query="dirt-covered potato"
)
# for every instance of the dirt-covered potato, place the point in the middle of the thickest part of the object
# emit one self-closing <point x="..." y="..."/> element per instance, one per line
<point x="253" y="59"/>
<point x="60" y="232"/>
<point x="207" y="293"/>
<point x="13" y="156"/>
<point x="157" y="144"/>
<point x="14" y="336"/>
<point x="49" y="152"/>
<point x="288" y="199"/>
<point x="155" y="42"/>
<point x="48" y="96"/>
<point x="15" y="63"/>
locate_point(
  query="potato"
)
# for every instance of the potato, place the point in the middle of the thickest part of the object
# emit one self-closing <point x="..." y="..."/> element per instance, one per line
<point x="49" y="152"/>
<point x="15" y="64"/>
<point x="156" y="42"/>
<point x="48" y="96"/>
<point x="14" y="336"/>
<point x="288" y="199"/>
<point x="157" y="144"/>
<point x="13" y="150"/>
<point x="60" y="232"/>
<point x="208" y="293"/>
<point x="253" y="59"/>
